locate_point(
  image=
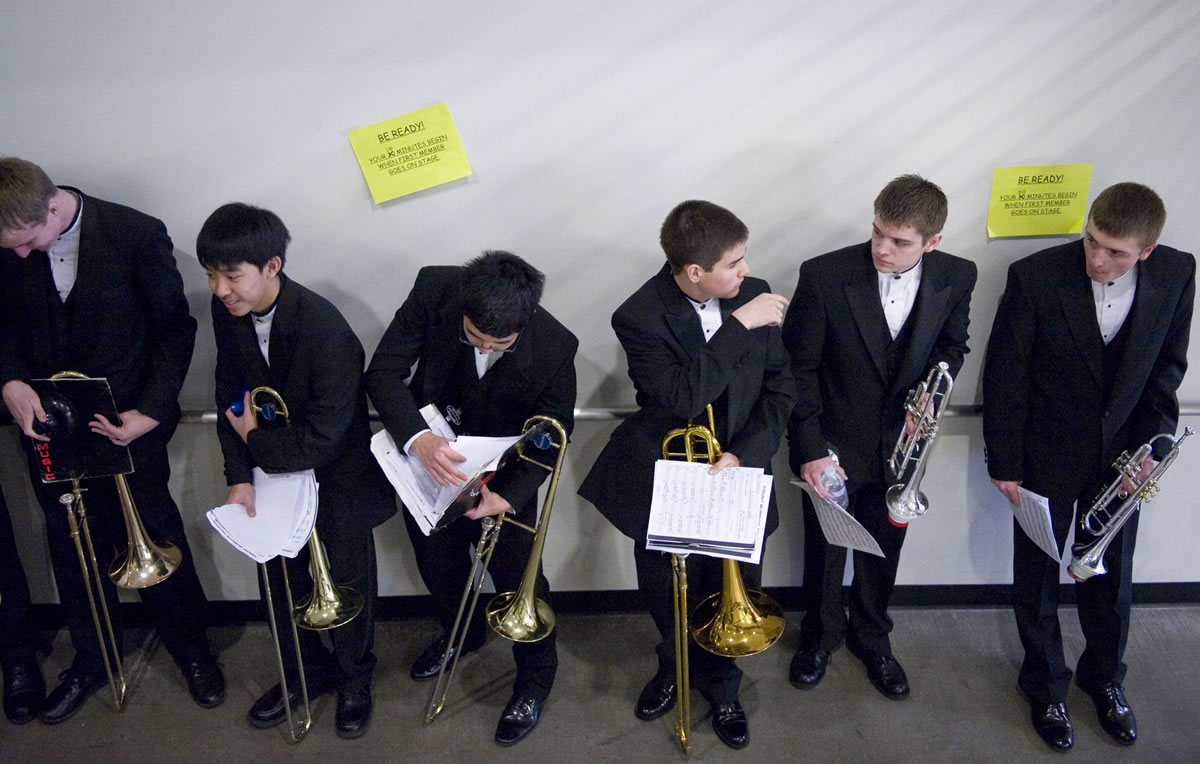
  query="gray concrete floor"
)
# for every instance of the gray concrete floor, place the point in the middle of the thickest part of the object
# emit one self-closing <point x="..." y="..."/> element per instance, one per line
<point x="962" y="665"/>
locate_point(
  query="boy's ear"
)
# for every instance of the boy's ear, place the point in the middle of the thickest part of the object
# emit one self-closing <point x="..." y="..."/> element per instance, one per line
<point x="273" y="267"/>
<point x="693" y="272"/>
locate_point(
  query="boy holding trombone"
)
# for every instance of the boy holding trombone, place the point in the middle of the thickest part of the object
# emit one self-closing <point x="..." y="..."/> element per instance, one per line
<point x="701" y="331"/>
<point x="272" y="332"/>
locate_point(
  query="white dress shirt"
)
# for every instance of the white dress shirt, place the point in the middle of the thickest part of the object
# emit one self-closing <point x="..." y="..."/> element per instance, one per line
<point x="1114" y="300"/>
<point x="898" y="293"/>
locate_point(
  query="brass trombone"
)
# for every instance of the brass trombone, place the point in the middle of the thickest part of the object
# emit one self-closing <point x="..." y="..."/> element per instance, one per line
<point x="925" y="404"/>
<point x="327" y="607"/>
<point x="519" y="616"/>
<point x="732" y="623"/>
<point x="1087" y="557"/>
<point x="144" y="563"/>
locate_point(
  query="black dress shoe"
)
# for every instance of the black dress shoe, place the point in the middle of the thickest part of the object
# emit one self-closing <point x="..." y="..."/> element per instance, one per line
<point x="884" y="671"/>
<point x="1116" y="717"/>
<point x="808" y="667"/>
<point x="519" y="718"/>
<point x="429" y="664"/>
<point x="353" y="712"/>
<point x="205" y="682"/>
<point x="729" y="722"/>
<point x="657" y="698"/>
<point x="269" y="710"/>
<point x="70" y="695"/>
<point x="24" y="690"/>
<point x="1054" y="725"/>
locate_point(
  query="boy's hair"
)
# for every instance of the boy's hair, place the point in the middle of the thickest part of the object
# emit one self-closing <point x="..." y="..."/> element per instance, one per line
<point x="500" y="292"/>
<point x="1129" y="210"/>
<point x="698" y="232"/>
<point x="912" y="200"/>
<point x="239" y="233"/>
<point x="25" y="194"/>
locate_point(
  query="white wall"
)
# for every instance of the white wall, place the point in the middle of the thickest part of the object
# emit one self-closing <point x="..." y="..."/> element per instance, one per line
<point x="586" y="123"/>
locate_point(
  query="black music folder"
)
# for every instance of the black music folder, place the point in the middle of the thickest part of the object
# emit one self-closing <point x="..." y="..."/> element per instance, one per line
<point x="74" y="451"/>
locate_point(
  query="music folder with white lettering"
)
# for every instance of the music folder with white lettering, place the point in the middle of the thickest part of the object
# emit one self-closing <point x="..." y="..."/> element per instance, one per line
<point x="431" y="504"/>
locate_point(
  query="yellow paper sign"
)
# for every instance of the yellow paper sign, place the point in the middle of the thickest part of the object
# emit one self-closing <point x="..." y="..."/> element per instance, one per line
<point x="409" y="153"/>
<point x="1039" y="200"/>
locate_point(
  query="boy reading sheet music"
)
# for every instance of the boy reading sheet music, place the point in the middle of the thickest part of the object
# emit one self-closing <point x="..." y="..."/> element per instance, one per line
<point x="489" y="358"/>
<point x="271" y="331"/>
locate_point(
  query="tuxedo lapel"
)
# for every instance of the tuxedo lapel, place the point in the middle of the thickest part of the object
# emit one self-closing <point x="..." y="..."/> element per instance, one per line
<point x="1147" y="308"/>
<point x="681" y="316"/>
<point x="444" y="346"/>
<point x="247" y="345"/>
<point x="282" y="346"/>
<point x="862" y="294"/>
<point x="1079" y="309"/>
<point x="930" y="307"/>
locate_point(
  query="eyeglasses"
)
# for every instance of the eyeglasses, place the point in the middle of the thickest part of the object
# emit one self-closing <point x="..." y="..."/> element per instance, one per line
<point x="488" y="345"/>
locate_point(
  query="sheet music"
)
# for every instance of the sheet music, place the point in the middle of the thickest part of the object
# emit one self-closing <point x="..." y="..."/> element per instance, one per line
<point x="286" y="511"/>
<point x="1033" y="515"/>
<point x="721" y="515"/>
<point x="424" y="498"/>
<point x="839" y="526"/>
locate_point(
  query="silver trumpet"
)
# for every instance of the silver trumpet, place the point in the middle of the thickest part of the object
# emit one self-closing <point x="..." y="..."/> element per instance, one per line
<point x="926" y="403"/>
<point x="1087" y="557"/>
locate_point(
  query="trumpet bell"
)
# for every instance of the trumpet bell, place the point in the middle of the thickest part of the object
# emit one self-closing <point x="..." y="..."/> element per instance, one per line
<point x="520" y="619"/>
<point x="904" y="505"/>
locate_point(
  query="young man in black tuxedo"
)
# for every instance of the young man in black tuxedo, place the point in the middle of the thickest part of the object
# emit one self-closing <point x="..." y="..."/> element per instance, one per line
<point x="867" y="323"/>
<point x="489" y="357"/>
<point x="701" y="331"/>
<point x="271" y="331"/>
<point x="1087" y="351"/>
<point x="91" y="286"/>
<point x="24" y="688"/>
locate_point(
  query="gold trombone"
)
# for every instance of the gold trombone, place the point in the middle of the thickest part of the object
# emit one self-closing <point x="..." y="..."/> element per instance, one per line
<point x="327" y="607"/>
<point x="519" y="616"/>
<point x="144" y="563"/>
<point x="732" y="623"/>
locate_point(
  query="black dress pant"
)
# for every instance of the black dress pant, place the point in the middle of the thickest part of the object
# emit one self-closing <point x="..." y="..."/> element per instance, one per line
<point x="177" y="605"/>
<point x="17" y="639"/>
<point x="351" y="557"/>
<point x="1104" y="603"/>
<point x="444" y="560"/>
<point x="716" y="677"/>
<point x="825" y="625"/>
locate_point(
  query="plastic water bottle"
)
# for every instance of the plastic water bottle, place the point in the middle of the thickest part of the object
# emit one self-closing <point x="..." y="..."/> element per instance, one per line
<point x="835" y="486"/>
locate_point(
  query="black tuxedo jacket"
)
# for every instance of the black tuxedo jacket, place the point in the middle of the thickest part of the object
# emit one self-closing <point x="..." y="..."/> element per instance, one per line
<point x="838" y="337"/>
<point x="1046" y="419"/>
<point x="127" y="317"/>
<point x="676" y="374"/>
<point x="316" y="366"/>
<point x="536" y="377"/>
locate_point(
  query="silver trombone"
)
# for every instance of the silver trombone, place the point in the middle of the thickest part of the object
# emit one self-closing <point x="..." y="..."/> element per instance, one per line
<point x="1087" y="557"/>
<point x="925" y="404"/>
<point x="327" y="607"/>
<point x="519" y="616"/>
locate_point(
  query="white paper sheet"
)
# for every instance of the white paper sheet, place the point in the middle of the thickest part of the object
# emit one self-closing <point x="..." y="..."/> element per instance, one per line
<point x="721" y="515"/>
<point x="285" y="513"/>
<point x="1033" y="515"/>
<point x="839" y="526"/>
